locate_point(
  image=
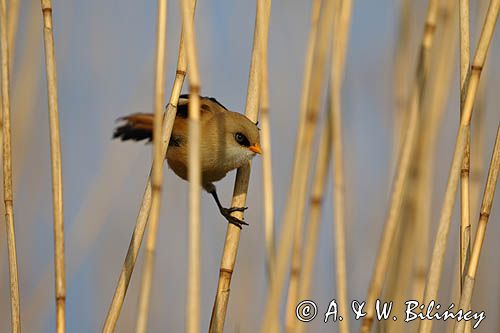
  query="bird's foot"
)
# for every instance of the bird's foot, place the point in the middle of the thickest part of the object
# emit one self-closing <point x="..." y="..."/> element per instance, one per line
<point x="226" y="212"/>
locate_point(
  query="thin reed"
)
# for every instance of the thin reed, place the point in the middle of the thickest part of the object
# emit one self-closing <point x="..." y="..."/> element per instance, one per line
<point x="434" y="106"/>
<point x="157" y="171"/>
<point x="267" y="166"/>
<point x="55" y="154"/>
<point x="403" y="166"/>
<point x="465" y="229"/>
<point x="194" y="174"/>
<point x="489" y="192"/>
<point x="400" y="77"/>
<point x="339" y="51"/>
<point x="7" y="174"/>
<point x="12" y="28"/>
<point x="438" y="253"/>
<point x="303" y="154"/>
<point x="232" y="239"/>
<point x="316" y="200"/>
<point x="142" y="217"/>
<point x="293" y="220"/>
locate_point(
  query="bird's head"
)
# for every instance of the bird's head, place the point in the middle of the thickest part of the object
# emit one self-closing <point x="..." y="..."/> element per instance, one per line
<point x="242" y="140"/>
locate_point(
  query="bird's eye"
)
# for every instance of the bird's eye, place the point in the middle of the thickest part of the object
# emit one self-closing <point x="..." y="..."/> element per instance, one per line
<point x="241" y="139"/>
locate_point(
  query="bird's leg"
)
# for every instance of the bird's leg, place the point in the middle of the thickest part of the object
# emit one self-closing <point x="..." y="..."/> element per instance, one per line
<point x="226" y="212"/>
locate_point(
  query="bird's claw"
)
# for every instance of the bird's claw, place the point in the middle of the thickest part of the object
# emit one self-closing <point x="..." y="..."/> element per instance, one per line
<point x="236" y="209"/>
<point x="226" y="212"/>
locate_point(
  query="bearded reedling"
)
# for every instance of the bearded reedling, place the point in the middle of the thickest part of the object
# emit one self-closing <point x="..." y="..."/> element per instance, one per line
<point x="228" y="141"/>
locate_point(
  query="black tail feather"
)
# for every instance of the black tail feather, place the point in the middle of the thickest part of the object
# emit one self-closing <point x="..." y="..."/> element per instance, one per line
<point x="137" y="127"/>
<point x="130" y="132"/>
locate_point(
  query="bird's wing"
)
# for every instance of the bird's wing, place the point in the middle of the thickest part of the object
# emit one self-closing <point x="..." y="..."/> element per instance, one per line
<point x="207" y="105"/>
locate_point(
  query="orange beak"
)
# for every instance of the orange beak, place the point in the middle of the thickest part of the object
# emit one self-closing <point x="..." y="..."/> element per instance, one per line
<point x="255" y="148"/>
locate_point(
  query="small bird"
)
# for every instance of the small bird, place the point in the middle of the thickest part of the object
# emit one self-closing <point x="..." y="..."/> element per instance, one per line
<point x="228" y="141"/>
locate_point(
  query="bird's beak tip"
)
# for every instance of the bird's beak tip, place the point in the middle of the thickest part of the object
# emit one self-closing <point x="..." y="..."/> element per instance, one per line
<point x="256" y="149"/>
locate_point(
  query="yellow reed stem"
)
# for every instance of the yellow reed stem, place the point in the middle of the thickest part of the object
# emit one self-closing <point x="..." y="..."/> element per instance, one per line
<point x="142" y="217"/>
<point x="157" y="174"/>
<point x="489" y="192"/>
<point x="55" y="150"/>
<point x="316" y="204"/>
<point x="436" y="266"/>
<point x="465" y="228"/>
<point x="403" y="167"/>
<point x="7" y="174"/>
<point x="242" y="175"/>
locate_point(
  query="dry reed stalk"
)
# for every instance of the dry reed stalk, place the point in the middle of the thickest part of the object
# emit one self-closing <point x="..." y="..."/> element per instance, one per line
<point x="316" y="204"/>
<point x="308" y="69"/>
<point x="401" y="83"/>
<point x="142" y="217"/>
<point x="339" y="51"/>
<point x="55" y="154"/>
<point x="242" y="175"/>
<point x="488" y="195"/>
<point x="194" y="174"/>
<point x="7" y="174"/>
<point x="291" y="240"/>
<point x="157" y="172"/>
<point x="439" y="86"/>
<point x="477" y="145"/>
<point x="461" y="142"/>
<point x="477" y="140"/>
<point x="267" y="168"/>
<point x="13" y="20"/>
<point x="403" y="167"/>
<point x="465" y="228"/>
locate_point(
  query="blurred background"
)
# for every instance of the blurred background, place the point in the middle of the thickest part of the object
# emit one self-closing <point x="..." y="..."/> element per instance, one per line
<point x="105" y="53"/>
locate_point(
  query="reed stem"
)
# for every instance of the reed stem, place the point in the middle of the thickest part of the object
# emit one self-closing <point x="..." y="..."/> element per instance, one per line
<point x="339" y="51"/>
<point x="7" y="174"/>
<point x="267" y="167"/>
<point x="157" y="174"/>
<point x="142" y="217"/>
<point x="55" y="150"/>
<point x="293" y="224"/>
<point x="436" y="265"/>
<point x="194" y="174"/>
<point x="403" y="166"/>
<point x="465" y="228"/>
<point x="316" y="200"/>
<point x="489" y="192"/>
<point x="242" y="175"/>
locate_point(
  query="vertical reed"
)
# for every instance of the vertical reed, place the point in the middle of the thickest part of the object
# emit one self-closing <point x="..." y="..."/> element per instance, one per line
<point x="157" y="174"/>
<point x="292" y="231"/>
<point x="316" y="200"/>
<point x="242" y="176"/>
<point x="308" y="69"/>
<point x="142" y="217"/>
<point x="7" y="174"/>
<point x="461" y="142"/>
<point x="55" y="152"/>
<point x="12" y="21"/>
<point x="489" y="193"/>
<point x="465" y="228"/>
<point x="403" y="167"/>
<point x="194" y="174"/>
<point x="267" y="168"/>
<point x="401" y="81"/>
<point x="339" y="51"/>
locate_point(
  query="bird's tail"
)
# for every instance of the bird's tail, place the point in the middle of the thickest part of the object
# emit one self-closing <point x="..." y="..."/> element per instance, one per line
<point x="137" y="127"/>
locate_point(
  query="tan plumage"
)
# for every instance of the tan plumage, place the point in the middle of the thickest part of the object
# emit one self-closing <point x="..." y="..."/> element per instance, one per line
<point x="228" y="141"/>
